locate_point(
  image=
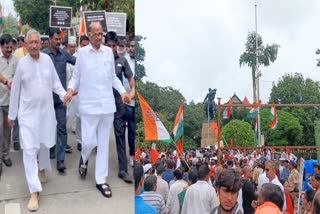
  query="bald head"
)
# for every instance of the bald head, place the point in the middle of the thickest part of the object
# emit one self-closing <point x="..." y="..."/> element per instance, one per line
<point x="95" y="34"/>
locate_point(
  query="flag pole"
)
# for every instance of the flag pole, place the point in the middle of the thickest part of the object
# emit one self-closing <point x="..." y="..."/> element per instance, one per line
<point x="257" y="76"/>
<point x="218" y="137"/>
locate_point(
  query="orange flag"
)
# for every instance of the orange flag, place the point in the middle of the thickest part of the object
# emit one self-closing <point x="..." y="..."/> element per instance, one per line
<point x="82" y="28"/>
<point x="138" y="153"/>
<point x="154" y="154"/>
<point x="231" y="142"/>
<point x="214" y="126"/>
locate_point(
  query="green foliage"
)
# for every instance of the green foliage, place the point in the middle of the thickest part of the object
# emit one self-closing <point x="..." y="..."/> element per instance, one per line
<point x="266" y="54"/>
<point x="11" y="26"/>
<point x="34" y="12"/>
<point x="165" y="102"/>
<point x="293" y="88"/>
<point x="288" y="131"/>
<point x="240" y="131"/>
<point x="140" y="70"/>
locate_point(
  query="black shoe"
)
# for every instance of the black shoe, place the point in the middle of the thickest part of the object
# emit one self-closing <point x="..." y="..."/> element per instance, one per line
<point x="79" y="146"/>
<point x="60" y="166"/>
<point x="7" y="162"/>
<point x="68" y="149"/>
<point x="124" y="176"/>
<point x="52" y="155"/>
<point x="16" y="146"/>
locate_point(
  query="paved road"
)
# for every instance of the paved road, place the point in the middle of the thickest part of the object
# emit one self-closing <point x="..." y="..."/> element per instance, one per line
<point x="64" y="194"/>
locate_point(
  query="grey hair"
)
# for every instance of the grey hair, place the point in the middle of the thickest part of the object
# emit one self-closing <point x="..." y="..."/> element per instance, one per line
<point x="30" y="32"/>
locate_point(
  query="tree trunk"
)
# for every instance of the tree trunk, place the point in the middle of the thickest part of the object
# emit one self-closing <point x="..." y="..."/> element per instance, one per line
<point x="254" y="86"/>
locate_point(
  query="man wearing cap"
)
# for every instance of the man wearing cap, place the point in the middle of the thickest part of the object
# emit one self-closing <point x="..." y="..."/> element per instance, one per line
<point x="60" y="58"/>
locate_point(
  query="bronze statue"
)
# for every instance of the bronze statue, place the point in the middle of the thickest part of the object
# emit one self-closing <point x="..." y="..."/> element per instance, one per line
<point x="209" y="104"/>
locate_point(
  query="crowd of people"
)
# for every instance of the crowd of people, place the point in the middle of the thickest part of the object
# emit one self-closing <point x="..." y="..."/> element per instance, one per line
<point x="239" y="181"/>
<point x="38" y="80"/>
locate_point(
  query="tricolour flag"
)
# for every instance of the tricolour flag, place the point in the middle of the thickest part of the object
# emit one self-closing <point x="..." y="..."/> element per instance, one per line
<point x="273" y="117"/>
<point x="153" y="127"/>
<point x="227" y="111"/>
<point x="256" y="134"/>
<point x="178" y="124"/>
<point x="254" y="109"/>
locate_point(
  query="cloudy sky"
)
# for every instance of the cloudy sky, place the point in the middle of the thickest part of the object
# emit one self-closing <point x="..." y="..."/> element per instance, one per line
<point x="196" y="45"/>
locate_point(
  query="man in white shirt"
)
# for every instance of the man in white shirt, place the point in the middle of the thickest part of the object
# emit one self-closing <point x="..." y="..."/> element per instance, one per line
<point x="200" y="197"/>
<point x="270" y="170"/>
<point x="31" y="101"/>
<point x="175" y="189"/>
<point x="94" y="76"/>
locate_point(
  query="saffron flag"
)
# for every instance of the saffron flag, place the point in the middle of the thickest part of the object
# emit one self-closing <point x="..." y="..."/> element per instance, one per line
<point x="153" y="127"/>
<point x="178" y="124"/>
<point x="137" y="153"/>
<point x="273" y="117"/>
<point x="214" y="126"/>
<point x="254" y="109"/>
<point x="154" y="154"/>
<point x="227" y="111"/>
<point x="179" y="146"/>
<point x="256" y="134"/>
<point x="82" y="28"/>
<point x="231" y="142"/>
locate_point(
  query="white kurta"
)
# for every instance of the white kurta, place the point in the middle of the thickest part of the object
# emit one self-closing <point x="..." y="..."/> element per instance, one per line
<point x="31" y="99"/>
<point x="200" y="198"/>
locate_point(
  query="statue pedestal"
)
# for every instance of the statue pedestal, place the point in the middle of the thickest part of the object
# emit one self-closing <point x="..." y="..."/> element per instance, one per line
<point x="208" y="139"/>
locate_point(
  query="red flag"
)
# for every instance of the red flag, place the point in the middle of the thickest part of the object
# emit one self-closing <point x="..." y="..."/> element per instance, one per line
<point x="231" y="142"/>
<point x="214" y="126"/>
<point x="154" y="154"/>
<point x="179" y="146"/>
<point x="138" y="153"/>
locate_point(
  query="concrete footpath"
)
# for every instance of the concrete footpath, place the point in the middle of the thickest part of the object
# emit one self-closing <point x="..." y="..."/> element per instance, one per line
<point x="67" y="194"/>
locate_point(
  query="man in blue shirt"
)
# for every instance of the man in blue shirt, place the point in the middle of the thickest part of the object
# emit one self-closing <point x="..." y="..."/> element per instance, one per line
<point x="140" y="207"/>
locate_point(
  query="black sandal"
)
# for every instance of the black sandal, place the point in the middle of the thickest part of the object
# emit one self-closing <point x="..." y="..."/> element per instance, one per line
<point x="83" y="168"/>
<point x="105" y="189"/>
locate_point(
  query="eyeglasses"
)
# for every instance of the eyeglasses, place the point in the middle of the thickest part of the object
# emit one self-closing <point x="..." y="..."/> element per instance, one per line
<point x="97" y="34"/>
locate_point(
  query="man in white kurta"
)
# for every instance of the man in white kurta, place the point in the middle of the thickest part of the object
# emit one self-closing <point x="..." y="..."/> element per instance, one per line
<point x="200" y="197"/>
<point x="31" y="101"/>
<point x="94" y="76"/>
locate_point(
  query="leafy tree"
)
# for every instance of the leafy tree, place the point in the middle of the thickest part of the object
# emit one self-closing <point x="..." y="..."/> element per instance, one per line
<point x="294" y="89"/>
<point x="288" y="131"/>
<point x="241" y="132"/>
<point x="140" y="56"/>
<point x="34" y="12"/>
<point x="266" y="54"/>
<point x="11" y="26"/>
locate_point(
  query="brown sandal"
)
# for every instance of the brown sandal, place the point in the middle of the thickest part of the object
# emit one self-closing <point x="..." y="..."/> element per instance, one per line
<point x="105" y="189"/>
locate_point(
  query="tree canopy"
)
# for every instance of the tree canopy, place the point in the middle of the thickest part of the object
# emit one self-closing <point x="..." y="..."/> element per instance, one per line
<point x="266" y="54"/>
<point x="241" y="132"/>
<point x="294" y="89"/>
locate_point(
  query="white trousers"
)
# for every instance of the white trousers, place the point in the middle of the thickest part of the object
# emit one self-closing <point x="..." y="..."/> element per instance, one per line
<point x="31" y="166"/>
<point x="95" y="130"/>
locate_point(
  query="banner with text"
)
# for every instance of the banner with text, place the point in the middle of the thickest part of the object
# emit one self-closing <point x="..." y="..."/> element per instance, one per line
<point x="60" y="17"/>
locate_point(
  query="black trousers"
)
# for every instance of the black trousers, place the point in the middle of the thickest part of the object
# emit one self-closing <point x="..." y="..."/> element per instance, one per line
<point x="119" y="125"/>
